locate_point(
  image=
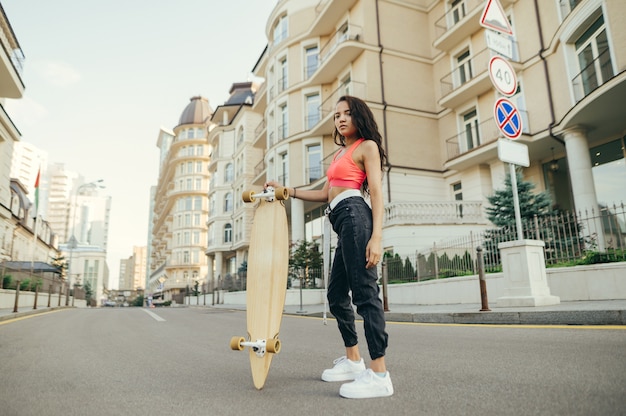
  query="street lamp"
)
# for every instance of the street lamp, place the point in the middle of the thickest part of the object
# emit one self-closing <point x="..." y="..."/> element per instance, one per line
<point x="73" y="242"/>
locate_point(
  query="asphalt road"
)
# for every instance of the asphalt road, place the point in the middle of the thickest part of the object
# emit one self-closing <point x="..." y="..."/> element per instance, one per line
<point x="126" y="361"/>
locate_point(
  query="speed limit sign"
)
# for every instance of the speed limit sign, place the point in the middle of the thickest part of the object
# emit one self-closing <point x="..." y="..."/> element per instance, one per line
<point x="503" y="76"/>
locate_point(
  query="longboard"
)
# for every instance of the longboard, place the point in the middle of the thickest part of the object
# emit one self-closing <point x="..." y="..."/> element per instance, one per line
<point x="268" y="264"/>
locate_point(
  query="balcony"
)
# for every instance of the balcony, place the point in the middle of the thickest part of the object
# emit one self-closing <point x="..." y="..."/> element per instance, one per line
<point x="342" y="48"/>
<point x="281" y="133"/>
<point x="464" y="151"/>
<point x="460" y="22"/>
<point x="259" y="173"/>
<point x="466" y="82"/>
<point x="433" y="212"/>
<point x="260" y="134"/>
<point x="600" y="108"/>
<point x="11" y="62"/>
<point x="328" y="10"/>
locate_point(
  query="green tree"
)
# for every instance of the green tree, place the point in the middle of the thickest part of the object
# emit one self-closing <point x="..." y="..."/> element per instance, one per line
<point x="88" y="292"/>
<point x="502" y="213"/>
<point x="306" y="261"/>
<point x="502" y="210"/>
<point x="138" y="301"/>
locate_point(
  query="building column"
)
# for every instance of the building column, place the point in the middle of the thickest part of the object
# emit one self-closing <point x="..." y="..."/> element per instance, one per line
<point x="581" y="179"/>
<point x="217" y="279"/>
<point x="209" y="272"/>
<point x="579" y="164"/>
<point x="297" y="220"/>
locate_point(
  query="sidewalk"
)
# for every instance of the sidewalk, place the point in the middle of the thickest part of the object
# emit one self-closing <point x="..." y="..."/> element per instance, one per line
<point x="7" y="314"/>
<point x="606" y="312"/>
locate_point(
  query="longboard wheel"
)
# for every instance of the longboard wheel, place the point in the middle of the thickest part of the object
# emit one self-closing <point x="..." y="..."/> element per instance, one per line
<point x="235" y="343"/>
<point x="281" y="193"/>
<point x="247" y="196"/>
<point x="273" y="345"/>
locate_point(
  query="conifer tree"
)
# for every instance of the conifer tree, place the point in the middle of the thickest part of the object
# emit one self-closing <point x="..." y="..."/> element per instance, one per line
<point x="502" y="211"/>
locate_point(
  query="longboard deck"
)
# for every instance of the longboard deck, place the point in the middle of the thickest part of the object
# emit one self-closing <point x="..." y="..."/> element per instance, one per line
<point x="268" y="263"/>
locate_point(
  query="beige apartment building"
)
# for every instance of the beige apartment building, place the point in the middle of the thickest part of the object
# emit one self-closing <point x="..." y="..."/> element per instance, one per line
<point x="180" y="206"/>
<point x="423" y="68"/>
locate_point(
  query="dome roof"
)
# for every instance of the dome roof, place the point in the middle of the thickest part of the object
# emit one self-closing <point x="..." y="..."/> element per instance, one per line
<point x="197" y="111"/>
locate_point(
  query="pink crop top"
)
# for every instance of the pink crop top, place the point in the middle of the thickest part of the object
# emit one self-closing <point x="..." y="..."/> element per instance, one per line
<point x="344" y="172"/>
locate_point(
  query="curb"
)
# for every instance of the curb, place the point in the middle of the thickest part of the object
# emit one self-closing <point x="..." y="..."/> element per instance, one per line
<point x="597" y="317"/>
<point x="15" y="315"/>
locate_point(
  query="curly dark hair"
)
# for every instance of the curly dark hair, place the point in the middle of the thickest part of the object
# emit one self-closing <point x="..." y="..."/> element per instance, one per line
<point x="366" y="126"/>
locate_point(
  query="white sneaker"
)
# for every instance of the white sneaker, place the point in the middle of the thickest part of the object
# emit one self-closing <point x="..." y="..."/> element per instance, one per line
<point x="367" y="385"/>
<point x="343" y="370"/>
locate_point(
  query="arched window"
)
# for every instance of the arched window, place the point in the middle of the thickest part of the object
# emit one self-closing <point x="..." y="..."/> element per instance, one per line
<point x="228" y="202"/>
<point x="228" y="173"/>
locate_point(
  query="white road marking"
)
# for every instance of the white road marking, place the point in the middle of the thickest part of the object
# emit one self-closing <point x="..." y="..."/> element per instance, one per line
<point x="154" y="315"/>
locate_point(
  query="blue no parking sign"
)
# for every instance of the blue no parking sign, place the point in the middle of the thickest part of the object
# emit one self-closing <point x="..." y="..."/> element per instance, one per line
<point x="508" y="118"/>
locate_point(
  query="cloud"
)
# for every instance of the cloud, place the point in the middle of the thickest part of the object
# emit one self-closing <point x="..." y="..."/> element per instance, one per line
<point x="59" y="74"/>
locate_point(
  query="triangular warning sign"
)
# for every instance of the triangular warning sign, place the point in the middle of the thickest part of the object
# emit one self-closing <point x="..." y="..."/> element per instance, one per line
<point x="494" y="18"/>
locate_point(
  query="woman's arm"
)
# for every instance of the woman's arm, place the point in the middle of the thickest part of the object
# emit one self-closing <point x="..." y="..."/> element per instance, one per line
<point x="371" y="163"/>
<point x="314" y="195"/>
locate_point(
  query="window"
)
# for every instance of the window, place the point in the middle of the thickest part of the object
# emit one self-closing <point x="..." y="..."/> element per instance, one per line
<point x="284" y="167"/>
<point x="314" y="162"/>
<point x="228" y="202"/>
<point x="312" y="110"/>
<point x="284" y="80"/>
<point x="312" y="59"/>
<point x="240" y="136"/>
<point x="457" y="191"/>
<point x="470" y="125"/>
<point x="284" y="127"/>
<point x="197" y="203"/>
<point x="464" y="68"/>
<point x="609" y="169"/>
<point x="212" y="204"/>
<point x="198" y="167"/>
<point x="228" y="233"/>
<point x="457" y="12"/>
<point x="594" y="58"/>
<point x="346" y="86"/>
<point x="198" y="184"/>
<point x="228" y="173"/>
<point x="280" y="30"/>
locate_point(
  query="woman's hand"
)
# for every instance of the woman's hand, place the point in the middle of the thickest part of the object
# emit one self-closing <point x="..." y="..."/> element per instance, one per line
<point x="273" y="184"/>
<point x="373" y="252"/>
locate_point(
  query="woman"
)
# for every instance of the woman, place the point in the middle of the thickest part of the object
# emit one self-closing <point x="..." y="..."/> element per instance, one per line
<point x="356" y="169"/>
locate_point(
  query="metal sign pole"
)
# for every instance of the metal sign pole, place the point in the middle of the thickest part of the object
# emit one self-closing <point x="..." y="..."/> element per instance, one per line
<point x="518" y="216"/>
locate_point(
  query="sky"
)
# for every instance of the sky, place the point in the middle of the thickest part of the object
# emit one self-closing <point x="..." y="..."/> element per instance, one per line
<point x="103" y="76"/>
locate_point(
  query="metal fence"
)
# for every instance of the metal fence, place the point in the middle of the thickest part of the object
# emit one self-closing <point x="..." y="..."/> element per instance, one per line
<point x="570" y="238"/>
